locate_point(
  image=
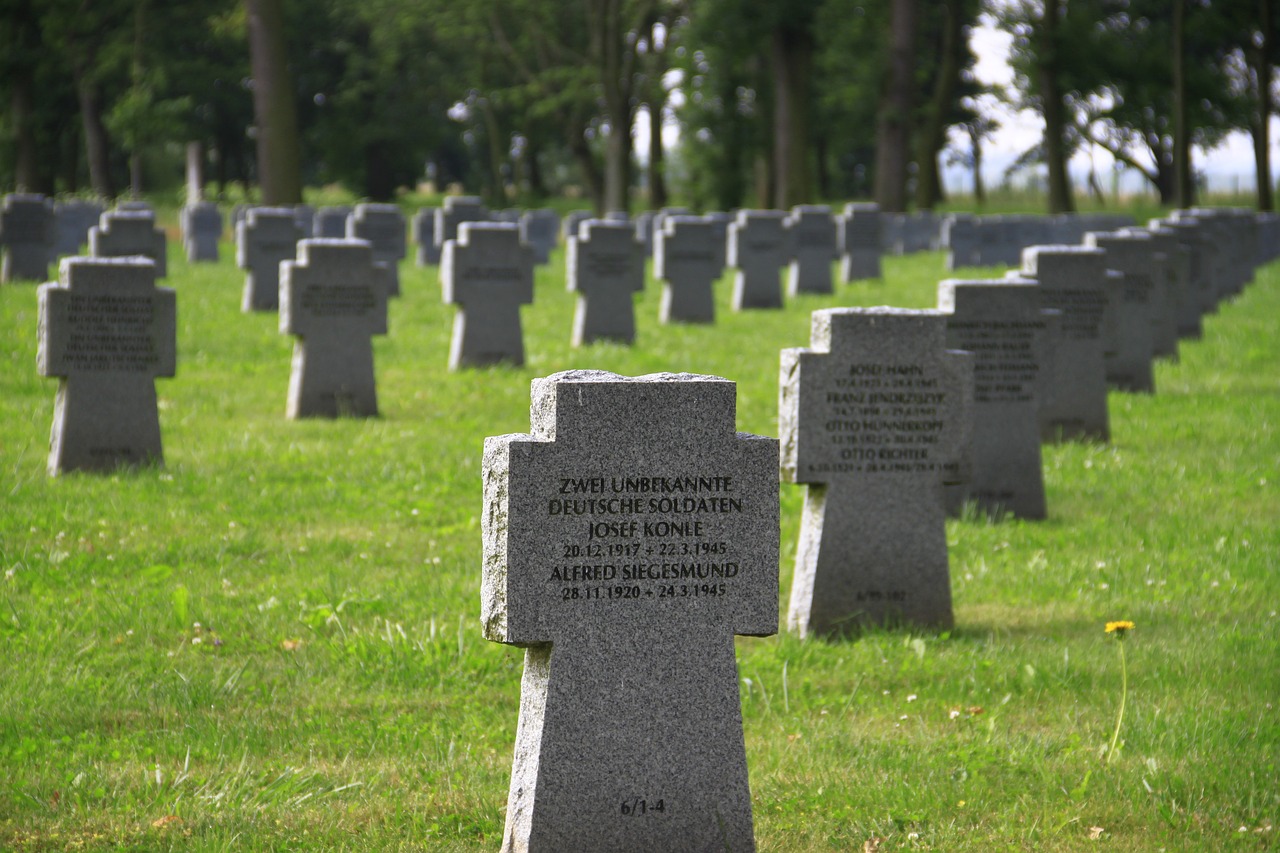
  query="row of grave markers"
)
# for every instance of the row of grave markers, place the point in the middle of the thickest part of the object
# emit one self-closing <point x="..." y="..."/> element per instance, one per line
<point x="611" y="529"/>
<point x="609" y="576"/>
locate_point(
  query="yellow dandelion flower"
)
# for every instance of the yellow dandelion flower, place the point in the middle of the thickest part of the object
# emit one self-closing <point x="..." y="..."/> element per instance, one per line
<point x="1119" y="627"/>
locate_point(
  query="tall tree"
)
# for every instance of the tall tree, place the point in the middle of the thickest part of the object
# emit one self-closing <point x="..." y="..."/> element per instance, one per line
<point x="946" y="30"/>
<point x="275" y="110"/>
<point x="893" y="126"/>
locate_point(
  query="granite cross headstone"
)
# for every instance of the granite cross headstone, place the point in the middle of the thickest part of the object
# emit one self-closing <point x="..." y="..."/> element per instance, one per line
<point x="540" y="229"/>
<point x="74" y="219"/>
<point x="1001" y="323"/>
<point x="201" y="230"/>
<point x="488" y="273"/>
<point x="604" y="265"/>
<point x="686" y="260"/>
<point x="27" y="237"/>
<point x="129" y="231"/>
<point x="331" y="222"/>
<point x="423" y="229"/>
<point x="813" y="246"/>
<point x="759" y="246"/>
<point x="626" y="541"/>
<point x="106" y="331"/>
<point x="1073" y="280"/>
<point x="266" y="237"/>
<point x="859" y="243"/>
<point x="383" y="226"/>
<point x="333" y="298"/>
<point x="874" y="420"/>
<point x="456" y="210"/>
<point x="1139" y="307"/>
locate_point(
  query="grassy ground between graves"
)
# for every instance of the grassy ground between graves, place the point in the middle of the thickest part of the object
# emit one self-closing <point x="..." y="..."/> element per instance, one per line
<point x="272" y="643"/>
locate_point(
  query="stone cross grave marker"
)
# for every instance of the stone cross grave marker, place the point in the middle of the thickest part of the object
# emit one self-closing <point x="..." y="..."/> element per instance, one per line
<point x="813" y="244"/>
<point x="604" y="265"/>
<point x="1001" y="323"/>
<point x="1073" y="280"/>
<point x="1136" y="309"/>
<point x="626" y="541"/>
<point x="488" y="273"/>
<point x="27" y="236"/>
<point x="758" y="247"/>
<point x="859" y="242"/>
<point x="201" y="230"/>
<point x="1177" y="265"/>
<point x="74" y="219"/>
<point x="540" y="229"/>
<point x="266" y="237"/>
<point x="107" y="332"/>
<point x="456" y="210"/>
<point x="129" y="231"/>
<point x="305" y="216"/>
<point x="873" y="418"/>
<point x="1139" y="254"/>
<point x="333" y="298"/>
<point x="383" y="226"/>
<point x="686" y="260"/>
<point x="330" y="222"/>
<point x="423" y="229"/>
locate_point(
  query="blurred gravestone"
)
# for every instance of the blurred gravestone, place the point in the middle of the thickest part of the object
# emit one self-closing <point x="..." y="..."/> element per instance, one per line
<point x="813" y="247"/>
<point x="383" y="226"/>
<point x="107" y="332"/>
<point x="488" y="273"/>
<point x="605" y="267"/>
<point x="759" y="246"/>
<point x="266" y="237"/>
<point x="686" y="260"/>
<point x="333" y="298"/>
<point x="128" y="231"/>
<point x="27" y="237"/>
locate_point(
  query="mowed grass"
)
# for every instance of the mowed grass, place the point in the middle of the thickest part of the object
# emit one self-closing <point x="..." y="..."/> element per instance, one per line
<point x="272" y="643"/>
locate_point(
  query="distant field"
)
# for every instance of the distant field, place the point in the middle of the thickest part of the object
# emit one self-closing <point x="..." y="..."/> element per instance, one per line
<point x="273" y="642"/>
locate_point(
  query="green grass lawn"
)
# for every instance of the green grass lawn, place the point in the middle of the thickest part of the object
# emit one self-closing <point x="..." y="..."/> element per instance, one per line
<point x="273" y="642"/>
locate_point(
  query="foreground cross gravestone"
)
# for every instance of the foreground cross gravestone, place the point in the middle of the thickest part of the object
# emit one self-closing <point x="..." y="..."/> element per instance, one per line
<point x="626" y="542"/>
<point x="604" y="265"/>
<point x="873" y="419"/>
<point x="333" y="297"/>
<point x="107" y="331"/>
<point x="488" y="273"/>
<point x="27" y="237"/>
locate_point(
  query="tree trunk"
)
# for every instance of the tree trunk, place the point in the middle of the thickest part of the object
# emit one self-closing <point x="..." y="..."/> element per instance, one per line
<point x="279" y="152"/>
<point x="894" y="115"/>
<point x="979" y="188"/>
<point x="96" y="141"/>
<point x="533" y="168"/>
<point x="657" y="157"/>
<point x="792" y="61"/>
<point x="26" y="161"/>
<point x="1183" y="180"/>
<point x="587" y="165"/>
<point x="615" y="60"/>
<point x="1261" y="129"/>
<point x="1055" y="144"/>
<point x="933" y="135"/>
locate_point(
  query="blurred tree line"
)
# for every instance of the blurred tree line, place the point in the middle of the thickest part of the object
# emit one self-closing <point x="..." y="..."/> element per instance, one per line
<point x="776" y="104"/>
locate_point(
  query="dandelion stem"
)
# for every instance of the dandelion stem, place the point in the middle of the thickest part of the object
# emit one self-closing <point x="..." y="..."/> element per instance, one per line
<point x="1124" y="693"/>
